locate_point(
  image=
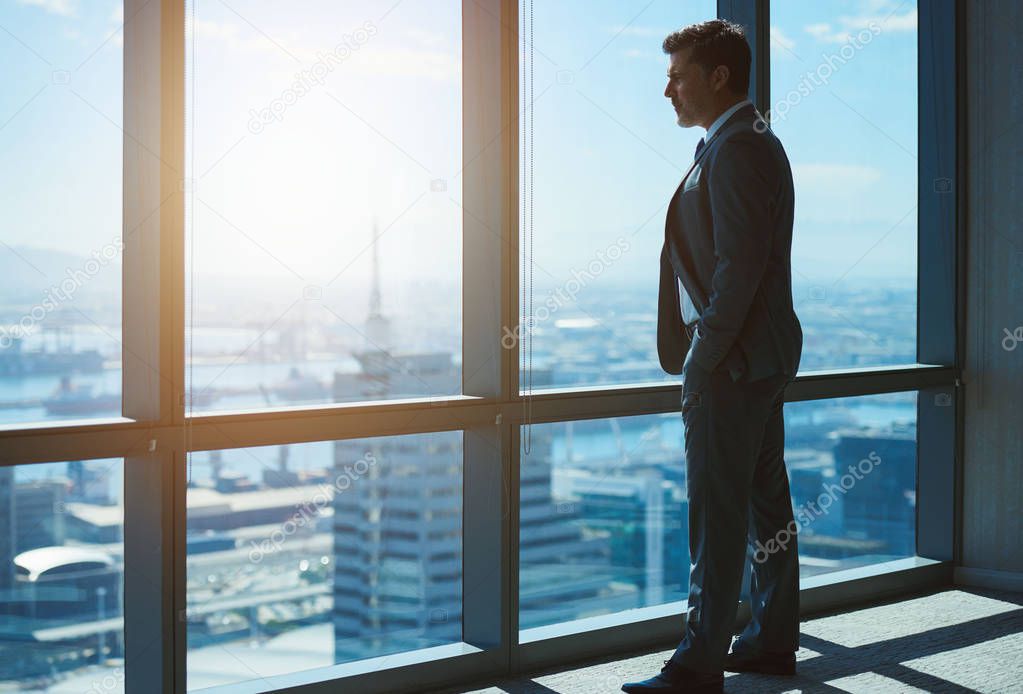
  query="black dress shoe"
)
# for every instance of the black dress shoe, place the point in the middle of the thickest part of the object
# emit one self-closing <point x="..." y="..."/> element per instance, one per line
<point x="741" y="660"/>
<point x="676" y="679"/>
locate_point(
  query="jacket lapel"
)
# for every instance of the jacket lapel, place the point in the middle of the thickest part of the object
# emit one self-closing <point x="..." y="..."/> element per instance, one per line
<point x="686" y="275"/>
<point x="671" y="337"/>
<point x="706" y="145"/>
<point x="696" y="160"/>
<point x="703" y="151"/>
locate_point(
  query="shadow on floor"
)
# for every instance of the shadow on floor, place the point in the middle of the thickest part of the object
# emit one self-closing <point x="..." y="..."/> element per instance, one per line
<point x="835" y="661"/>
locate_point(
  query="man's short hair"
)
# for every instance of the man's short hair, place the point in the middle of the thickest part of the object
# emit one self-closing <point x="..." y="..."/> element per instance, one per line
<point x="715" y="42"/>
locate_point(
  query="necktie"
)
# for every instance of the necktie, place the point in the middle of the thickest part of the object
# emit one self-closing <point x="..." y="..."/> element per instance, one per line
<point x="699" y="146"/>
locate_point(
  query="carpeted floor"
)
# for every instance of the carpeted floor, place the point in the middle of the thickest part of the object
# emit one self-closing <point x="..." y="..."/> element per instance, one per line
<point x="961" y="640"/>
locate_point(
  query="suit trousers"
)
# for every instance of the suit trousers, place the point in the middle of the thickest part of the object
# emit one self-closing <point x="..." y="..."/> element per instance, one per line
<point x="738" y="493"/>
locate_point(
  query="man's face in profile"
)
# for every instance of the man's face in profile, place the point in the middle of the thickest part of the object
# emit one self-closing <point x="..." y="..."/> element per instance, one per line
<point x="688" y="88"/>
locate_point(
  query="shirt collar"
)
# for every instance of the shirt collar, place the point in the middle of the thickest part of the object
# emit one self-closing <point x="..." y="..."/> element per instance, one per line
<point x="723" y="117"/>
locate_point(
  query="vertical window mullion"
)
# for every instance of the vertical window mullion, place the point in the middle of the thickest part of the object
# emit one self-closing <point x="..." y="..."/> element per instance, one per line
<point x="489" y="281"/>
<point x="937" y="269"/>
<point x="153" y="354"/>
<point x="754" y="16"/>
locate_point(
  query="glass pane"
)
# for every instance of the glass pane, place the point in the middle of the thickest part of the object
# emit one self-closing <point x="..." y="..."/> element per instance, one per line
<point x="844" y="103"/>
<point x="310" y="555"/>
<point x="607" y="156"/>
<point x="603" y="518"/>
<point x="324" y="146"/>
<point x="61" y="577"/>
<point x="852" y="476"/>
<point x="60" y="191"/>
<point x="604" y="510"/>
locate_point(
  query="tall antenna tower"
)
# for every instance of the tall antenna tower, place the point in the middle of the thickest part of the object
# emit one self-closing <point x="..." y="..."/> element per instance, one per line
<point x="378" y="327"/>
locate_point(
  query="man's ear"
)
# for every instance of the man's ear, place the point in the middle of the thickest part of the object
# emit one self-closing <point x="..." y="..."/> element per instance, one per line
<point x="719" y="77"/>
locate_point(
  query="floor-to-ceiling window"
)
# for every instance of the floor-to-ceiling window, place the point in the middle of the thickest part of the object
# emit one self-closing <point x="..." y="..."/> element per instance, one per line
<point x="324" y="266"/>
<point x="61" y="241"/>
<point x="603" y="510"/>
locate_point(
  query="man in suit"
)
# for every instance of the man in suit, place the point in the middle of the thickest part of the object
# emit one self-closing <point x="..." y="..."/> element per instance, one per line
<point x="726" y="324"/>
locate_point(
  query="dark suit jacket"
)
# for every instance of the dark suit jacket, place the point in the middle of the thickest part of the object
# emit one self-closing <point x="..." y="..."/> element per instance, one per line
<point x="728" y="237"/>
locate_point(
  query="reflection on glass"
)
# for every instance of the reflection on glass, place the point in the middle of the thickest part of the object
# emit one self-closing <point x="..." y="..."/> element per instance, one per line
<point x="604" y="513"/>
<point x="61" y="577"/>
<point x="844" y="103"/>
<point x="325" y="201"/>
<point x="316" y="554"/>
<point x="61" y="240"/>
<point x="606" y="156"/>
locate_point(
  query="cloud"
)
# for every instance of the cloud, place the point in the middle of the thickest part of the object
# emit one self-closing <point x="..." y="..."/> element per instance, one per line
<point x="884" y="12"/>
<point x="116" y="24"/>
<point x="887" y="21"/>
<point x="240" y="39"/>
<point x="779" y="38"/>
<point x="430" y="39"/>
<point x="428" y="63"/>
<point x="848" y="25"/>
<point x="833" y="192"/>
<point x="63" y="8"/>
<point x="844" y="176"/>
<point x="436" y="65"/>
<point x="824" y="33"/>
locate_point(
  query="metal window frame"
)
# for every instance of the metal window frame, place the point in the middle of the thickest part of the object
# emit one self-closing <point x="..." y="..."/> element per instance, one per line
<point x="154" y="436"/>
<point x="940" y="274"/>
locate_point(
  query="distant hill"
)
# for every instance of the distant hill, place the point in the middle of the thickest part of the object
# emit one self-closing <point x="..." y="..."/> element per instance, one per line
<point x="27" y="271"/>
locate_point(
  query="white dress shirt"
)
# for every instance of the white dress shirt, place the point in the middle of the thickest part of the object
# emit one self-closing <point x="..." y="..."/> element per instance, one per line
<point x="716" y="125"/>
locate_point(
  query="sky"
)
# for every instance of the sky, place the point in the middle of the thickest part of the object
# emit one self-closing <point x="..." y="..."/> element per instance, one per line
<point x="60" y="113"/>
<point x="378" y="141"/>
